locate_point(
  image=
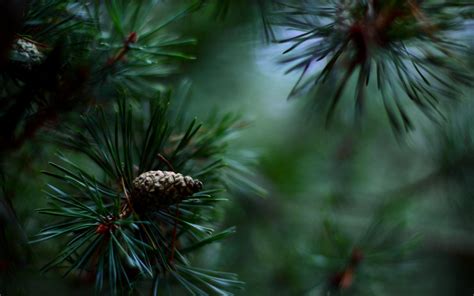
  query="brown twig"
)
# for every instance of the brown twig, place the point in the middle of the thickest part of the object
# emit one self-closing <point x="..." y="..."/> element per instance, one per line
<point x="132" y="38"/>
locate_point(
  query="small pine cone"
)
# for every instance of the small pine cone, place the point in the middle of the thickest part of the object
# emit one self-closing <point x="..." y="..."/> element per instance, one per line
<point x="26" y="52"/>
<point x="158" y="189"/>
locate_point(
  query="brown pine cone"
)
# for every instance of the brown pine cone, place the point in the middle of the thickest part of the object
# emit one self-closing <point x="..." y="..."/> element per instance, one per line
<point x="158" y="189"/>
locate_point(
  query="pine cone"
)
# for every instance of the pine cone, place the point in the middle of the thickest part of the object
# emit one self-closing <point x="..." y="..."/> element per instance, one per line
<point x="158" y="189"/>
<point x="26" y="52"/>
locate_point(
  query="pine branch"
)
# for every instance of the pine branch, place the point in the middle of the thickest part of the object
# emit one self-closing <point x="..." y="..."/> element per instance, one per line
<point x="348" y="264"/>
<point x="65" y="53"/>
<point x="406" y="46"/>
<point x="110" y="235"/>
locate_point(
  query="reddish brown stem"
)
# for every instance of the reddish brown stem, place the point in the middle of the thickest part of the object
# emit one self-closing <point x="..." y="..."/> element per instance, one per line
<point x="132" y="38"/>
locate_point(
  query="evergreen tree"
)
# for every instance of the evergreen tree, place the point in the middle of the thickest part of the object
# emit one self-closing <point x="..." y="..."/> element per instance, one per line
<point x="125" y="168"/>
